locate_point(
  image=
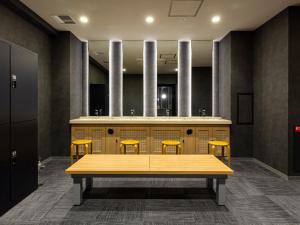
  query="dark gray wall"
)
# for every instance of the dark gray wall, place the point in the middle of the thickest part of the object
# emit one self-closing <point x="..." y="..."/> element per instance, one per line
<point x="96" y="75"/>
<point x="235" y="71"/>
<point x="225" y="77"/>
<point x="271" y="93"/>
<point x="133" y="94"/>
<point x="294" y="80"/>
<point x="66" y="89"/>
<point x="60" y="94"/>
<point x="201" y="90"/>
<point x="15" y="29"/>
<point x="241" y="82"/>
<point x="75" y="77"/>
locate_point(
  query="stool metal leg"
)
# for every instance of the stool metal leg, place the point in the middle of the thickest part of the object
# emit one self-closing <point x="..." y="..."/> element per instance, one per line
<point x="229" y="155"/>
<point x="71" y="153"/>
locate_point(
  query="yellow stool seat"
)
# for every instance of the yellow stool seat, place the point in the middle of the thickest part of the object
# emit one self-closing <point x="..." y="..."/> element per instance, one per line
<point x="171" y="142"/>
<point x="218" y="143"/>
<point x="166" y="143"/>
<point x="75" y="147"/>
<point x="223" y="144"/>
<point x="130" y="142"/>
<point x="81" y="142"/>
<point x="134" y="143"/>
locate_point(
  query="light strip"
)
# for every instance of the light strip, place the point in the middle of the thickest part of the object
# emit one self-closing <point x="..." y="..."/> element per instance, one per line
<point x="187" y="95"/>
<point x="112" y="92"/>
<point x="146" y="64"/>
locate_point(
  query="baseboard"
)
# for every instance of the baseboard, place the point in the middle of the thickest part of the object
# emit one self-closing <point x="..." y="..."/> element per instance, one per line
<point x="45" y="161"/>
<point x="273" y="170"/>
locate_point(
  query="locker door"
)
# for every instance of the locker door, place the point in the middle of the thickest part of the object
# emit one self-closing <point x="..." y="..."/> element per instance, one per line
<point x="4" y="83"/>
<point x="4" y="127"/>
<point x="24" y="172"/>
<point x="24" y="95"/>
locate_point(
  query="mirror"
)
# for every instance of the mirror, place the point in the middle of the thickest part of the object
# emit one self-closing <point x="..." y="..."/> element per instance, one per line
<point x="166" y="80"/>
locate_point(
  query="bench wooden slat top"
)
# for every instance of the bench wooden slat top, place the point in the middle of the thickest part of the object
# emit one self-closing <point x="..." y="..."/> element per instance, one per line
<point x="149" y="164"/>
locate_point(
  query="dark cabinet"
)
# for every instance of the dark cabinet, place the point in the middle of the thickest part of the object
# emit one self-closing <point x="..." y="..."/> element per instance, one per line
<point x="18" y="124"/>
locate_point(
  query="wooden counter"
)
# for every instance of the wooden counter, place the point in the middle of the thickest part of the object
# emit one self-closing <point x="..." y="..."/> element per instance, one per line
<point x="193" y="133"/>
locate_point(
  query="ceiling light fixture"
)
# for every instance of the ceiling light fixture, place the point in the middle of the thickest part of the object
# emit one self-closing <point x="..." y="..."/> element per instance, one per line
<point x="176" y="69"/>
<point x="215" y="19"/>
<point x="83" y="19"/>
<point x="149" y="19"/>
<point x="124" y="69"/>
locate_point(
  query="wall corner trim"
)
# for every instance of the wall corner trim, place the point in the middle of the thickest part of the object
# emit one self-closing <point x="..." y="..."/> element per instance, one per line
<point x="273" y="170"/>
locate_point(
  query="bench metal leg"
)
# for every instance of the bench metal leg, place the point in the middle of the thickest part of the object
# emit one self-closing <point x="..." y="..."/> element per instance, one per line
<point x="89" y="183"/>
<point x="77" y="191"/>
<point x="220" y="191"/>
<point x="209" y="183"/>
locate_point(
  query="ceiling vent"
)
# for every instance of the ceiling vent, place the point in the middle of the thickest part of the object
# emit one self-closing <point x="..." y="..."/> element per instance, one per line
<point x="63" y="19"/>
<point x="185" y="8"/>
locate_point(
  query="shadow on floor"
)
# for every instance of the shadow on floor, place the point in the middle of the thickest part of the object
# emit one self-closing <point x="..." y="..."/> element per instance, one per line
<point x="149" y="193"/>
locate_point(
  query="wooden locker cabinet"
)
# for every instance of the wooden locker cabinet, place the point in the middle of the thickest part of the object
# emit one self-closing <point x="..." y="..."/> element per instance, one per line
<point x="202" y="136"/>
<point x="189" y="141"/>
<point x="97" y="135"/>
<point x="139" y="133"/>
<point x="158" y="134"/>
<point x="221" y="133"/>
<point x="112" y="140"/>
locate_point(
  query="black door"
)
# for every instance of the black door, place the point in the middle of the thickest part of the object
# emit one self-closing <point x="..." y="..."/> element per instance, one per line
<point x="23" y="123"/>
<point x="97" y="99"/>
<point x="24" y="172"/>
<point x="4" y="127"/>
<point x="24" y="94"/>
<point x="4" y="83"/>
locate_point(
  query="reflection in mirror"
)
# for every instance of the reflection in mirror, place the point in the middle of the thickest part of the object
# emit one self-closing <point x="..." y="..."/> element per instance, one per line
<point x="98" y="68"/>
<point x="202" y="78"/>
<point x="133" y="78"/>
<point x="166" y="78"/>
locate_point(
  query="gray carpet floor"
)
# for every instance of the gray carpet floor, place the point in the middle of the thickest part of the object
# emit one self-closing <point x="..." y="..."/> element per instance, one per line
<point x="255" y="197"/>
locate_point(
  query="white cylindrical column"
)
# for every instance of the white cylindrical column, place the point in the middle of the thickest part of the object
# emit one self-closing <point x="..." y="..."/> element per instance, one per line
<point x="150" y="79"/>
<point x="215" y="79"/>
<point x="184" y="78"/>
<point x="85" y="79"/>
<point x="115" y="78"/>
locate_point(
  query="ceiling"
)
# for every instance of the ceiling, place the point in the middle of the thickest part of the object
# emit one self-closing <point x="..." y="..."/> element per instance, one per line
<point x="124" y="19"/>
<point x="166" y="55"/>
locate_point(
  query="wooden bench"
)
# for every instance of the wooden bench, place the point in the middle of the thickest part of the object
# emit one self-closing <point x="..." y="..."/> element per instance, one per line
<point x="193" y="166"/>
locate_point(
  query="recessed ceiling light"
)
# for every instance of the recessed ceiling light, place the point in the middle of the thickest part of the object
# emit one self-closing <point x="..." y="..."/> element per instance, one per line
<point x="124" y="69"/>
<point x="163" y="96"/>
<point x="176" y="69"/>
<point x="83" y="19"/>
<point x="149" y="19"/>
<point x="215" y="19"/>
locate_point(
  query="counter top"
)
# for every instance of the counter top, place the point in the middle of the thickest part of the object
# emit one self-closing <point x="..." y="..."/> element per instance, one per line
<point x="149" y="120"/>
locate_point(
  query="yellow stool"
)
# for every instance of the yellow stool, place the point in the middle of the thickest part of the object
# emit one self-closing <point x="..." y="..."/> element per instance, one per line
<point x="134" y="143"/>
<point x="166" y="143"/>
<point x="223" y="144"/>
<point x="74" y="146"/>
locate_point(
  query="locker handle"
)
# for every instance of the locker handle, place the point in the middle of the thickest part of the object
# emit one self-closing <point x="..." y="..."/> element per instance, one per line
<point x="13" y="81"/>
<point x="14" y="157"/>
